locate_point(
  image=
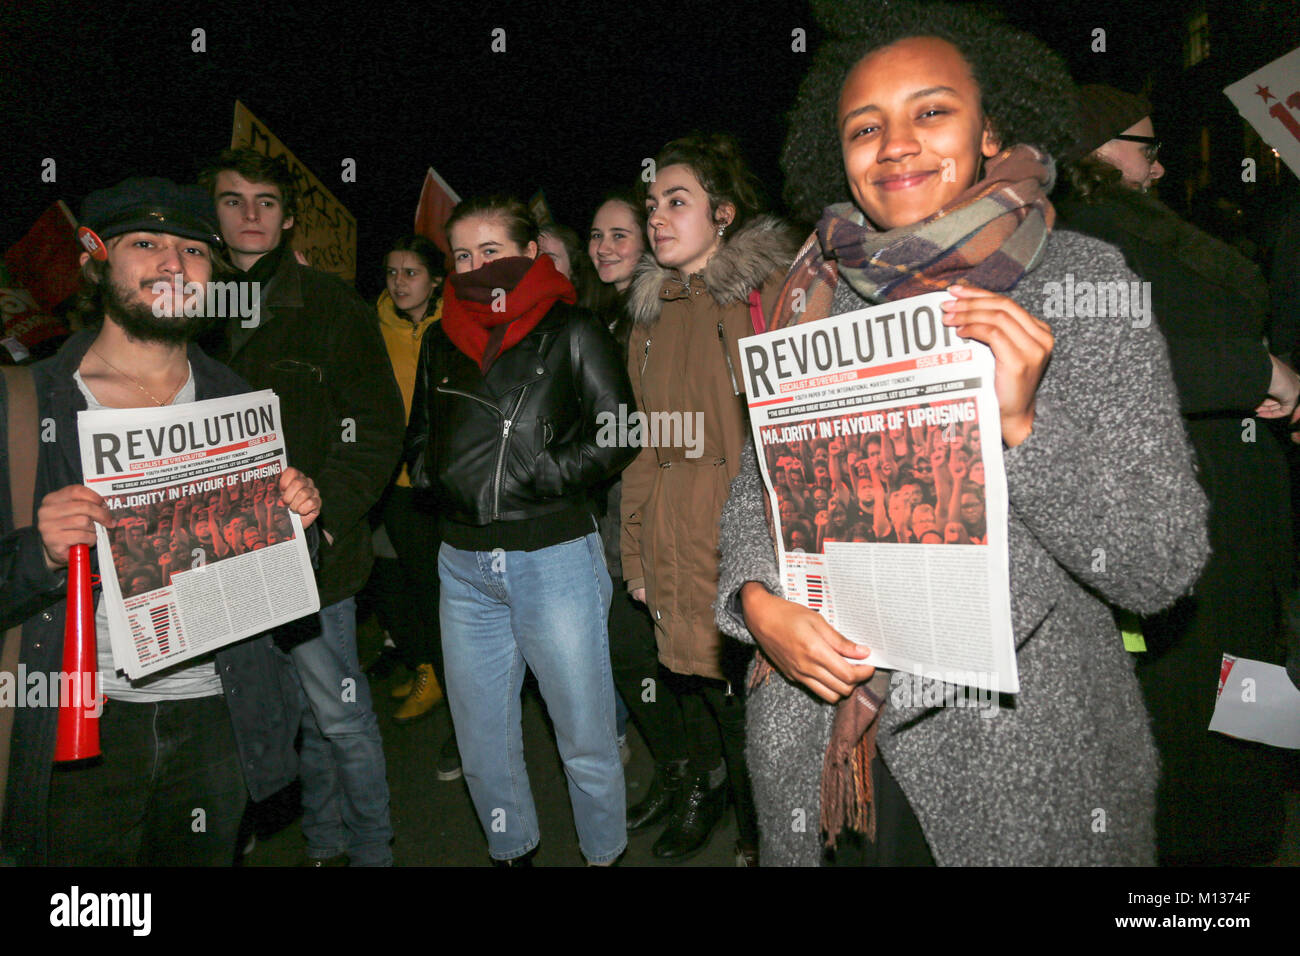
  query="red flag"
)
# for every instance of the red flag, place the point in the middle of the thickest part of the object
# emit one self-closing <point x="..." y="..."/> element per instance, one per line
<point x="27" y="329"/>
<point x="540" y="210"/>
<point x="437" y="200"/>
<point x="44" y="262"/>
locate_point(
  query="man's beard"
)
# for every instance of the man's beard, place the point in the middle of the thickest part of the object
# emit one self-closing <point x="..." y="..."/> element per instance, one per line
<point x="140" y="324"/>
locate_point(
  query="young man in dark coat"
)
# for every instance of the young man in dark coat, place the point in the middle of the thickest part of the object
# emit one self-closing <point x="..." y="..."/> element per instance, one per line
<point x="318" y="346"/>
<point x="195" y="736"/>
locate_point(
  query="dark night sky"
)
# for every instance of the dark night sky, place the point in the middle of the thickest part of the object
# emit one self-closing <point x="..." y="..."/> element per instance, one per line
<point x="580" y="96"/>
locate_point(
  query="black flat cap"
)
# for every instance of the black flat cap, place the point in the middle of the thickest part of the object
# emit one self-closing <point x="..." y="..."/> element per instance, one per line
<point x="150" y="204"/>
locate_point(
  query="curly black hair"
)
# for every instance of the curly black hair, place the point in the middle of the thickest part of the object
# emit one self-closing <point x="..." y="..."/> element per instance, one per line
<point x="1026" y="91"/>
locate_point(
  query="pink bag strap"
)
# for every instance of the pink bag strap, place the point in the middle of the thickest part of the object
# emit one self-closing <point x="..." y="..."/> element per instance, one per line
<point x="756" y="312"/>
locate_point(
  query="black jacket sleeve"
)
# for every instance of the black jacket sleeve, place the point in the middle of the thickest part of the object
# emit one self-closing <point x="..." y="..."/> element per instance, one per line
<point x="361" y="458"/>
<point x="602" y="383"/>
<point x="1216" y="349"/>
<point x="1225" y="375"/>
<point x="27" y="586"/>
<point x="417" y="429"/>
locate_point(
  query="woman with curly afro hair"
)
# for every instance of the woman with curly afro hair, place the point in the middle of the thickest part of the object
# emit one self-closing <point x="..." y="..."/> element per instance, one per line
<point x="927" y="134"/>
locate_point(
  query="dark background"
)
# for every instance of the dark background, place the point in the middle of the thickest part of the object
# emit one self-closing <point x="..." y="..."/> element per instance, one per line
<point x="582" y="94"/>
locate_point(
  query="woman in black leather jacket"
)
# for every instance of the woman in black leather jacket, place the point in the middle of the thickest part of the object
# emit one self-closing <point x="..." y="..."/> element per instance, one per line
<point x="512" y="425"/>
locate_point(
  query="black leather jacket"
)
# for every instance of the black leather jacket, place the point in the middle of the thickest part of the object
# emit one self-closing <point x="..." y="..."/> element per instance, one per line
<point x="521" y="441"/>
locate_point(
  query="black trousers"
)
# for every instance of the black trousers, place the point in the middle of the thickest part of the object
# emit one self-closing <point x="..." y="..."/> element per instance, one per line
<point x="168" y="790"/>
<point x="404" y="592"/>
<point x="899" y="840"/>
<point x="640" y="679"/>
<point x="713" y="714"/>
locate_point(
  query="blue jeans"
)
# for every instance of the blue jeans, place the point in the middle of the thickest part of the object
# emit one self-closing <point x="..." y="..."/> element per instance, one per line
<point x="344" y="778"/>
<point x="545" y="608"/>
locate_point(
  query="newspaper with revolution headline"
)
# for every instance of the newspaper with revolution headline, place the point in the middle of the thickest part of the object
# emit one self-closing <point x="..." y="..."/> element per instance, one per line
<point x="879" y="439"/>
<point x="203" y="551"/>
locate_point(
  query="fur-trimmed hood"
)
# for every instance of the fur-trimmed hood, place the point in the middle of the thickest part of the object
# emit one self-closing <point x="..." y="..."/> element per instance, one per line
<point x="743" y="264"/>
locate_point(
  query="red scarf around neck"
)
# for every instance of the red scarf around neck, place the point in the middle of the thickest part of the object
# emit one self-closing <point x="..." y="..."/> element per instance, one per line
<point x="492" y="308"/>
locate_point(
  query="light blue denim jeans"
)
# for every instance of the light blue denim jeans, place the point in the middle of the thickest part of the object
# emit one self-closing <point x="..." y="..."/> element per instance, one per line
<point x="344" y="775"/>
<point x="546" y="609"/>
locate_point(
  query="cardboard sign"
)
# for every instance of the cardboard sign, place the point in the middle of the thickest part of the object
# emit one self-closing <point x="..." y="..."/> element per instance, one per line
<point x="324" y="231"/>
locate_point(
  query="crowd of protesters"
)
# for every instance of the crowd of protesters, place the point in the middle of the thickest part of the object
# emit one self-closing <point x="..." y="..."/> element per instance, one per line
<point x="501" y="538"/>
<point x="911" y="484"/>
<point x="152" y="542"/>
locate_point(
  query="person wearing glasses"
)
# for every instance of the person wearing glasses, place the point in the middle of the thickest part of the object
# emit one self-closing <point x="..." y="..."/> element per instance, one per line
<point x="1219" y="800"/>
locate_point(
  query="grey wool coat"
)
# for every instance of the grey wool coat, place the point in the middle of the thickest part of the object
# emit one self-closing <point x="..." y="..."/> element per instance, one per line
<point x="1104" y="508"/>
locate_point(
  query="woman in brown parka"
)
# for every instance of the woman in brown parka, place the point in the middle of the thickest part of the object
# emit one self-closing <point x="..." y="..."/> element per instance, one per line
<point x="714" y="270"/>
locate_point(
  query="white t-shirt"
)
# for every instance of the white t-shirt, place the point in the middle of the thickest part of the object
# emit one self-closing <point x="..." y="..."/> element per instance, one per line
<point x="186" y="681"/>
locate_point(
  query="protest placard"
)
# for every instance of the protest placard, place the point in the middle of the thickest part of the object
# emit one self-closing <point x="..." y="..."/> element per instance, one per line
<point x="1269" y="100"/>
<point x="324" y="231"/>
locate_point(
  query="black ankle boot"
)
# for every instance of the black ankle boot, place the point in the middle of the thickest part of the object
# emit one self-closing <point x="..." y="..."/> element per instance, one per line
<point x="668" y="783"/>
<point x="525" y="860"/>
<point x="697" y="812"/>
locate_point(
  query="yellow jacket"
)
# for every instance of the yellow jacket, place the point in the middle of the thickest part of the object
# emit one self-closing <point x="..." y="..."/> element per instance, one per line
<point x="402" y="339"/>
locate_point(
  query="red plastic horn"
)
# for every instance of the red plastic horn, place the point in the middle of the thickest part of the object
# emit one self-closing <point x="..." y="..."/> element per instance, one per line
<point x="78" y="735"/>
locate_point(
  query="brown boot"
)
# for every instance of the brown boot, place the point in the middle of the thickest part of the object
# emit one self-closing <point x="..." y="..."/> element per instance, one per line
<point x="425" y="694"/>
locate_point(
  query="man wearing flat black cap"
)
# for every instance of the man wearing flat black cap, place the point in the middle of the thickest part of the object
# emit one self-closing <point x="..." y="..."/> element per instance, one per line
<point x="197" y="737"/>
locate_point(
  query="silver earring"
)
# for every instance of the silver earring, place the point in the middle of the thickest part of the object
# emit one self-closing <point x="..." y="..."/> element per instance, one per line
<point x="721" y="230"/>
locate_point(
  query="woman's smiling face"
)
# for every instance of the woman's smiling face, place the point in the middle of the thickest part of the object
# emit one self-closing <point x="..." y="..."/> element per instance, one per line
<point x="616" y="244"/>
<point x="912" y="132"/>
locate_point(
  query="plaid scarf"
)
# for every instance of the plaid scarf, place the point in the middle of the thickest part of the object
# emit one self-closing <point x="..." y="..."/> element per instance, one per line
<point x="989" y="236"/>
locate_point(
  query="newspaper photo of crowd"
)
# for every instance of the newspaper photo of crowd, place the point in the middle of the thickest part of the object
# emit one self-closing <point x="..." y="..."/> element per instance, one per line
<point x="152" y="542"/>
<point x="908" y="484"/>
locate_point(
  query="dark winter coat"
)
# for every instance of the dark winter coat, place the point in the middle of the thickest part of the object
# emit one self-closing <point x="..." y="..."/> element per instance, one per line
<point x="1218" y="798"/>
<point x="259" y="691"/>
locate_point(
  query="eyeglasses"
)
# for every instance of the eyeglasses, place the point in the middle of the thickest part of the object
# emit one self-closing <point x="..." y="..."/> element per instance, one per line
<point x="1151" y="145"/>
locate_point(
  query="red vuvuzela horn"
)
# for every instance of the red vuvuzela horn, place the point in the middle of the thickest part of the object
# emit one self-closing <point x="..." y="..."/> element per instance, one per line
<point x="78" y="735"/>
